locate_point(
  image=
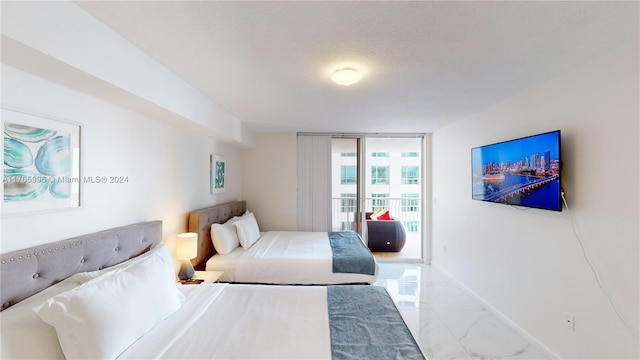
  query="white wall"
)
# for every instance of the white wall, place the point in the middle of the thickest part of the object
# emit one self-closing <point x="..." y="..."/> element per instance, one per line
<point x="526" y="263"/>
<point x="269" y="181"/>
<point x="167" y="166"/>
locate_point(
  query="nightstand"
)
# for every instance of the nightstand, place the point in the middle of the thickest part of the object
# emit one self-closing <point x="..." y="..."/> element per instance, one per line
<point x="207" y="277"/>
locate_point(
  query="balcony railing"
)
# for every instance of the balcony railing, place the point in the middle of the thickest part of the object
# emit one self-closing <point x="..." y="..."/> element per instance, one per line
<point x="408" y="210"/>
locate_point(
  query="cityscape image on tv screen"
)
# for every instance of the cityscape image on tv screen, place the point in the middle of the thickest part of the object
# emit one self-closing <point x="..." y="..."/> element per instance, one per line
<point x="523" y="172"/>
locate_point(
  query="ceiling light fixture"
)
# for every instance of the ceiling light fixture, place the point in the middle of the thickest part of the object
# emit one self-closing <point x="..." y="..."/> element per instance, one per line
<point x="346" y="76"/>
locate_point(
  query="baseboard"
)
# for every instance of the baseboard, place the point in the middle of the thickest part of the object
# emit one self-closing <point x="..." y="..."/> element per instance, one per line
<point x="500" y="315"/>
<point x="400" y="261"/>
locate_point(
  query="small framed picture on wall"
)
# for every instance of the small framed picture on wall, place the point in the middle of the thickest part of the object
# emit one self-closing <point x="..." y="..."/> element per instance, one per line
<point x="218" y="166"/>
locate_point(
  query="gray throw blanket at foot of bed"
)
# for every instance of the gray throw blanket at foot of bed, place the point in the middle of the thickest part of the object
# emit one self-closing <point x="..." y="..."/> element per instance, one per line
<point x="364" y="323"/>
<point x="350" y="255"/>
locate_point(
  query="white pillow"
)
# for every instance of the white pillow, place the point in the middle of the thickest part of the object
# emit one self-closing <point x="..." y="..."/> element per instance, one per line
<point x="248" y="230"/>
<point x="158" y="250"/>
<point x="104" y="316"/>
<point x="224" y="236"/>
<point x="21" y="329"/>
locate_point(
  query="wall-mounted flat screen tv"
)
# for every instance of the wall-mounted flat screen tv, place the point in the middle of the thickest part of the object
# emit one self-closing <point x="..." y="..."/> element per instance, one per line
<point x="523" y="172"/>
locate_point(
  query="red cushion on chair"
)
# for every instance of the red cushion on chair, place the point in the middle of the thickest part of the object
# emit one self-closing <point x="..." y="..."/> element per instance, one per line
<point x="384" y="216"/>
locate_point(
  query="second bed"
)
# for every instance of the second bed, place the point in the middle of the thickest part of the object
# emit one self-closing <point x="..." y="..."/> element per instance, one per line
<point x="283" y="257"/>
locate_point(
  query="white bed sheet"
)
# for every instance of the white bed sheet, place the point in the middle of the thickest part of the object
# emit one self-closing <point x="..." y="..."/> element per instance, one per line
<point x="285" y="257"/>
<point x="222" y="321"/>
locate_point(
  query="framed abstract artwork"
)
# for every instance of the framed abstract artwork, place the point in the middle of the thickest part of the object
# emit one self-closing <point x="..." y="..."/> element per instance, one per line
<point x="41" y="163"/>
<point x="218" y="168"/>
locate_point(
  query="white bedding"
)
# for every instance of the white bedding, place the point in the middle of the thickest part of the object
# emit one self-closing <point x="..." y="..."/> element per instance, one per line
<point x="285" y="257"/>
<point x="23" y="335"/>
<point x="216" y="321"/>
<point x="251" y="322"/>
<point x="226" y="321"/>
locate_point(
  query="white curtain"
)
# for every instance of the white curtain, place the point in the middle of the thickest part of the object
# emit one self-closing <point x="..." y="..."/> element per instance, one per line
<point x="314" y="183"/>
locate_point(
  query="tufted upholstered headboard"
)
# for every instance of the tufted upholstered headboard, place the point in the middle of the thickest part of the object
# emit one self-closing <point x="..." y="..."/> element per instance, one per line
<point x="200" y="222"/>
<point x="29" y="271"/>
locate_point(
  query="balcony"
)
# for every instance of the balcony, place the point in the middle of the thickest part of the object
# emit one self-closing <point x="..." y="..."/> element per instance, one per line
<point x="408" y="210"/>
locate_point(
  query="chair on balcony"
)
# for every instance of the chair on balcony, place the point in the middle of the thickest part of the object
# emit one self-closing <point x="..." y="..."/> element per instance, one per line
<point x="385" y="235"/>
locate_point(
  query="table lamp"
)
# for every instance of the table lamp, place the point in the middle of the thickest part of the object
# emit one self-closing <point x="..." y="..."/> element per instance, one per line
<point x="186" y="250"/>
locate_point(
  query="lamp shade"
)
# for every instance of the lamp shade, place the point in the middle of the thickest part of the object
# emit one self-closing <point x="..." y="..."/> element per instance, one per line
<point x="187" y="247"/>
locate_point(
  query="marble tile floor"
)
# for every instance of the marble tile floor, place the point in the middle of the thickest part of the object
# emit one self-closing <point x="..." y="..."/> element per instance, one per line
<point x="448" y="322"/>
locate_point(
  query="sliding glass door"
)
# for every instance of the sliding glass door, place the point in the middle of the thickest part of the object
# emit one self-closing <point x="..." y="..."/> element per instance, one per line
<point x="372" y="173"/>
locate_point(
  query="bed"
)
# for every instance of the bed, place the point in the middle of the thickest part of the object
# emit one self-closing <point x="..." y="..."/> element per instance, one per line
<point x="281" y="257"/>
<point x="89" y="301"/>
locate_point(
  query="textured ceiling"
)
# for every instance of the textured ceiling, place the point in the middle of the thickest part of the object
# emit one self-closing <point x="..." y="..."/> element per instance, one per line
<point x="425" y="63"/>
